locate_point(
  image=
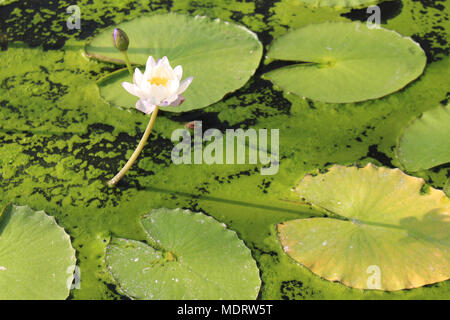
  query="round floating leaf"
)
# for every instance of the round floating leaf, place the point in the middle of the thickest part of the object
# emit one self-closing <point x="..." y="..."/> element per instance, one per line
<point x="425" y="143"/>
<point x="196" y="258"/>
<point x="221" y="56"/>
<point x="345" y="62"/>
<point x="37" y="260"/>
<point x="389" y="236"/>
<point x="339" y="3"/>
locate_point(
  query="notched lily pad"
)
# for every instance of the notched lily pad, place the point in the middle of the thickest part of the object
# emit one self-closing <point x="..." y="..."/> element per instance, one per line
<point x="389" y="236"/>
<point x="194" y="257"/>
<point x="341" y="62"/>
<point x="221" y="56"/>
<point x="37" y="260"/>
<point x="425" y="143"/>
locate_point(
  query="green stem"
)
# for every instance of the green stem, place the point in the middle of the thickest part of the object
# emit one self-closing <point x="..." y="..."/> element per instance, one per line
<point x="136" y="152"/>
<point x="127" y="61"/>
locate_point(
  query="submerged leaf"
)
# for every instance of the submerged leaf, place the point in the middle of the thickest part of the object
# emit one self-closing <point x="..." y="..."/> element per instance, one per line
<point x="221" y="56"/>
<point x="345" y="62"/>
<point x="425" y="143"/>
<point x="196" y="258"/>
<point x="37" y="260"/>
<point x="389" y="237"/>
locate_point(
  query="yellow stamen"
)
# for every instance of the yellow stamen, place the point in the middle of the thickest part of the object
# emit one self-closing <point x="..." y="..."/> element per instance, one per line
<point x="158" y="81"/>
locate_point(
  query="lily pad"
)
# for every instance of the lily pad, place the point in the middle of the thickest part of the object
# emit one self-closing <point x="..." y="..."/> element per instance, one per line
<point x="341" y="62"/>
<point x="221" y="56"/>
<point x="194" y="257"/>
<point x="37" y="260"/>
<point x="425" y="143"/>
<point x="382" y="234"/>
<point x="339" y="3"/>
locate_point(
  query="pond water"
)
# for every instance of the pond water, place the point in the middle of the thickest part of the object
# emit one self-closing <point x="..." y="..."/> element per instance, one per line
<point x="60" y="142"/>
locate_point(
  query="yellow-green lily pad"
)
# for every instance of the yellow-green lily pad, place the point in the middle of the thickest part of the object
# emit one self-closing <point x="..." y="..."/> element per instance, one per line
<point x="37" y="260"/>
<point x="221" y="56"/>
<point x="425" y="143"/>
<point x="381" y="231"/>
<point x="342" y="62"/>
<point x="192" y="256"/>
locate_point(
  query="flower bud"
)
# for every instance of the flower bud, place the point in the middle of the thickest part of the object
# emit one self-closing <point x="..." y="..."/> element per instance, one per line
<point x="120" y="39"/>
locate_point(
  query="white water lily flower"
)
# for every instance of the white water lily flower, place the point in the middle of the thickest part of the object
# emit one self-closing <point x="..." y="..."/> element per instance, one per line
<point x="160" y="85"/>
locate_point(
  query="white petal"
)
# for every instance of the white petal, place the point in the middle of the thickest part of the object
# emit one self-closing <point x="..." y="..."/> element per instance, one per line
<point x="185" y="84"/>
<point x="151" y="63"/>
<point x="164" y="62"/>
<point x="137" y="77"/>
<point x="180" y="99"/>
<point x="145" y="106"/>
<point x="172" y="86"/>
<point x="169" y="101"/>
<point x="151" y="93"/>
<point x="131" y="88"/>
<point x="178" y="72"/>
<point x="146" y="89"/>
<point x="160" y="94"/>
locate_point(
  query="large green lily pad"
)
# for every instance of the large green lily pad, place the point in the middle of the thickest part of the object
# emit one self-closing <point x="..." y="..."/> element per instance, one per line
<point x="342" y="62"/>
<point x="37" y="260"/>
<point x="221" y="56"/>
<point x="339" y="3"/>
<point x="387" y="235"/>
<point x="194" y="257"/>
<point x="425" y="143"/>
